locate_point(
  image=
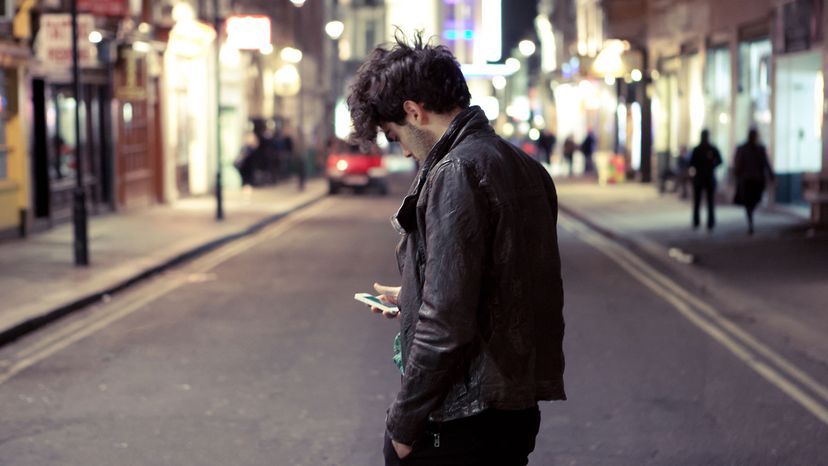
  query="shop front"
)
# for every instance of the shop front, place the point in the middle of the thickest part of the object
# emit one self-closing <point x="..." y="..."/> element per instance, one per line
<point x="798" y="97"/>
<point x="188" y="79"/>
<point x="138" y="115"/>
<point x="14" y="200"/>
<point x="54" y="144"/>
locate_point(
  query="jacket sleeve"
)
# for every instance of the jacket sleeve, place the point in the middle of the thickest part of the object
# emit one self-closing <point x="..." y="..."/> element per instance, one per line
<point x="455" y="219"/>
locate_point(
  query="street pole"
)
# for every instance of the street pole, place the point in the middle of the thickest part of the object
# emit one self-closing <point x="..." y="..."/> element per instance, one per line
<point x="219" y="197"/>
<point x="79" y="217"/>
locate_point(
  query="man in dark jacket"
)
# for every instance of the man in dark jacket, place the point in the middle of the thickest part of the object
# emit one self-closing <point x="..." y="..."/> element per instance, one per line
<point x="481" y="296"/>
<point x="703" y="162"/>
<point x="751" y="168"/>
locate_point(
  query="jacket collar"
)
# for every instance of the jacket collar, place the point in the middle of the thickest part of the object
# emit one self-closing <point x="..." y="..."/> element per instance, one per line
<point x="466" y="122"/>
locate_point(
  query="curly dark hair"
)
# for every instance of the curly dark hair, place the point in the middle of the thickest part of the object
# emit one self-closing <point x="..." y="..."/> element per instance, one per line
<point x="425" y="73"/>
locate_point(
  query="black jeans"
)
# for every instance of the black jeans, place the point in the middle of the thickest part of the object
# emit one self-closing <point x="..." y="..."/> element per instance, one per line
<point x="496" y="438"/>
<point x="708" y="188"/>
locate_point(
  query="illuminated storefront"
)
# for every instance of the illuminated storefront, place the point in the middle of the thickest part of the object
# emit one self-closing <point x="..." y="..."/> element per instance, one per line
<point x="188" y="113"/>
<point x="798" y="97"/>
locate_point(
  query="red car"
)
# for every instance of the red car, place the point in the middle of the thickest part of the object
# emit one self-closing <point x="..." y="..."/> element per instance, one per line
<point x="350" y="167"/>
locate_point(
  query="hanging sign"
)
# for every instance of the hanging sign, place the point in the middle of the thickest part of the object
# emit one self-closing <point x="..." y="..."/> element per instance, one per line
<point x="53" y="44"/>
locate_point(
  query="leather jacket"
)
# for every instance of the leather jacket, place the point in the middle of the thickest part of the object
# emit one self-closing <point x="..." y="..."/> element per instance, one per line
<point x="482" y="296"/>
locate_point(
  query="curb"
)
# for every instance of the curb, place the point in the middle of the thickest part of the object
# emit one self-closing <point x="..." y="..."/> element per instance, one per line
<point x="28" y="326"/>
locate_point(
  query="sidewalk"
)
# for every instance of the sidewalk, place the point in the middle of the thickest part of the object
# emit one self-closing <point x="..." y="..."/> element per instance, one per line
<point x="38" y="281"/>
<point x="774" y="281"/>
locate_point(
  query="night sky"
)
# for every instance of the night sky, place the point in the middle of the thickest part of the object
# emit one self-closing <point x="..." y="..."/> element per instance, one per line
<point x="518" y="22"/>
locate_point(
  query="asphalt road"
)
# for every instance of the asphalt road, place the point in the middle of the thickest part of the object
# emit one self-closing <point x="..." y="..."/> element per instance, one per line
<point x="257" y="355"/>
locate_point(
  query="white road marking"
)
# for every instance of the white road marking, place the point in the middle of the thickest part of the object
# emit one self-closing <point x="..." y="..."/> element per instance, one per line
<point x="743" y="345"/>
<point x="59" y="340"/>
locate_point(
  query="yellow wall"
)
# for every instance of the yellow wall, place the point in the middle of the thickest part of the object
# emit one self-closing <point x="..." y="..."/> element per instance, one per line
<point x="14" y="194"/>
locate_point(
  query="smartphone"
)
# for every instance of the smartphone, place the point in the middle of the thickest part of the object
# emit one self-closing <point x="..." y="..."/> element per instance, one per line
<point x="374" y="301"/>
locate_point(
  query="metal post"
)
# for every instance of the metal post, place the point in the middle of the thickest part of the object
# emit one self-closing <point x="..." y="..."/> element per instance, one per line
<point x="219" y="197"/>
<point x="79" y="217"/>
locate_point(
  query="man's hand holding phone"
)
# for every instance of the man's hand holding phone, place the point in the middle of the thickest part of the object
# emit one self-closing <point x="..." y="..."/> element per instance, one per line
<point x="388" y="295"/>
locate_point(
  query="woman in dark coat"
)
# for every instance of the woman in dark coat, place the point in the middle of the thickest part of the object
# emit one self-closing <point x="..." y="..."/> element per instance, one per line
<point x="752" y="170"/>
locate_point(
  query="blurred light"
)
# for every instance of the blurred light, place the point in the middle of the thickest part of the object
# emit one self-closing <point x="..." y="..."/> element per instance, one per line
<point x="345" y="50"/>
<point x="490" y="106"/>
<point x="229" y="55"/>
<point x="636" y="75"/>
<point x="609" y="80"/>
<point x="819" y="110"/>
<point x="724" y="118"/>
<point x="635" y="149"/>
<point x="527" y="48"/>
<point x="183" y="12"/>
<point x="342" y="165"/>
<point x="513" y="64"/>
<point x="621" y="115"/>
<point x="655" y="75"/>
<point x="286" y="81"/>
<point x="499" y="83"/>
<point x="291" y="55"/>
<point x="127" y="112"/>
<point x="334" y="29"/>
<point x="95" y="37"/>
<point x="609" y="60"/>
<point x="508" y="130"/>
<point x="523" y="127"/>
<point x="342" y="120"/>
<point x="144" y="28"/>
<point x="489" y="43"/>
<point x="190" y="38"/>
<point x="382" y="140"/>
<point x="298" y="3"/>
<point x="534" y="134"/>
<point x="267" y="49"/>
<point x="539" y="121"/>
<point x="520" y="109"/>
<point x="248" y="32"/>
<point x="553" y="85"/>
<point x="141" y="47"/>
<point x="487" y="70"/>
<point x="548" y="46"/>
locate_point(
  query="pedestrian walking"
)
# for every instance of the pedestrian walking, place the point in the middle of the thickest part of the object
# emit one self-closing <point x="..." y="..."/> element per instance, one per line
<point x="569" y="154"/>
<point x="546" y="145"/>
<point x="703" y="162"/>
<point x="588" y="148"/>
<point x="752" y="170"/>
<point x="481" y="294"/>
<point x="246" y="161"/>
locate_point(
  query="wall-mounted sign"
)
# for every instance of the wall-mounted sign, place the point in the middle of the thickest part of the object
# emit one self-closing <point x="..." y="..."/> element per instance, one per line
<point x="104" y="7"/>
<point x="53" y="44"/>
<point x="248" y="32"/>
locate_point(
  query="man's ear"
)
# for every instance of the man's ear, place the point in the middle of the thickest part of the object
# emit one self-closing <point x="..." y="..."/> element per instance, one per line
<point x="415" y="112"/>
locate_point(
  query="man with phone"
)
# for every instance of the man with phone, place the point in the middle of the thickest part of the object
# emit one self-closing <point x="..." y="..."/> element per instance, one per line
<point x="481" y="296"/>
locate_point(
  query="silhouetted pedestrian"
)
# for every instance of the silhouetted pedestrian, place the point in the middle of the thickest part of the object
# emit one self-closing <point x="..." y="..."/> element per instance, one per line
<point x="703" y="162"/>
<point x="588" y="148"/>
<point x="246" y="161"/>
<point x="546" y="146"/>
<point x="569" y="153"/>
<point x="752" y="170"/>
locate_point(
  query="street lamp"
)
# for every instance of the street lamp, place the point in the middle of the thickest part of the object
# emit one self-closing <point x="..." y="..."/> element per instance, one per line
<point x="79" y="217"/>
